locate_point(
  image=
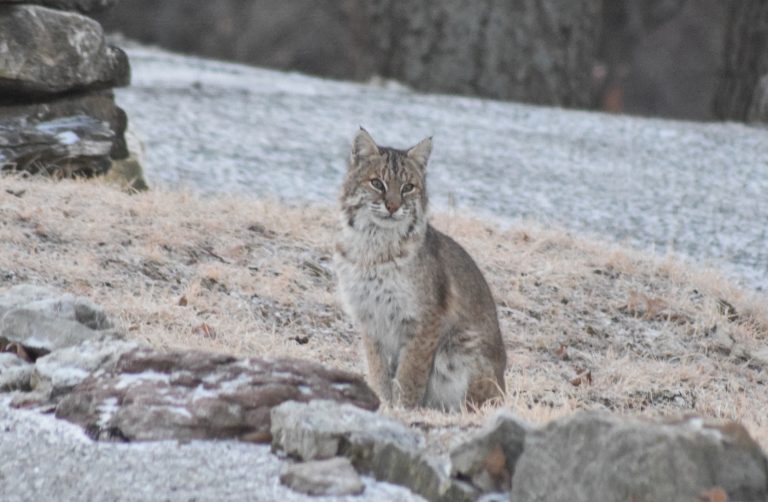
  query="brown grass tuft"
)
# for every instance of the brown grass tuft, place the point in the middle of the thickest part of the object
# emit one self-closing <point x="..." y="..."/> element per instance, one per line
<point x="587" y="325"/>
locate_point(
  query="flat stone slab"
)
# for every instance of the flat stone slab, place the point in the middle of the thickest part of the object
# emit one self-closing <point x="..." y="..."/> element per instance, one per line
<point x="152" y="395"/>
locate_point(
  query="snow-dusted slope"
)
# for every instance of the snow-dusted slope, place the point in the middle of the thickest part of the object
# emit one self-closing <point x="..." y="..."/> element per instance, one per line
<point x="701" y="189"/>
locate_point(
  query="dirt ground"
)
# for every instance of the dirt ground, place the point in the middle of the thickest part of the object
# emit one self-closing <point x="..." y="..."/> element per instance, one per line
<point x="587" y="324"/>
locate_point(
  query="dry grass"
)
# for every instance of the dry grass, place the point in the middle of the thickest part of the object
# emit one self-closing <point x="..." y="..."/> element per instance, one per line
<point x="586" y="324"/>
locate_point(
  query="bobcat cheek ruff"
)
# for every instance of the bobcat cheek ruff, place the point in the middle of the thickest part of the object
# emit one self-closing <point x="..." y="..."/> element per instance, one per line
<point x="427" y="317"/>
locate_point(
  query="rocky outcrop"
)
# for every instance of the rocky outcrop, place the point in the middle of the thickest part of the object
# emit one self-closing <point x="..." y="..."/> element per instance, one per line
<point x="152" y="395"/>
<point x="593" y="456"/>
<point x="586" y="457"/>
<point x="376" y="445"/>
<point x="333" y="476"/>
<point x="57" y="112"/>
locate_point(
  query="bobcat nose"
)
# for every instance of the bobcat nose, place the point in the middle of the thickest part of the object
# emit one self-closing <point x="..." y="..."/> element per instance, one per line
<point x="392" y="206"/>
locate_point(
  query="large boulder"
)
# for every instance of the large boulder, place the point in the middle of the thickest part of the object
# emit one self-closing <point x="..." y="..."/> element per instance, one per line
<point x="42" y="319"/>
<point x="152" y="395"/>
<point x="45" y="51"/>
<point x="374" y="444"/>
<point x="592" y="456"/>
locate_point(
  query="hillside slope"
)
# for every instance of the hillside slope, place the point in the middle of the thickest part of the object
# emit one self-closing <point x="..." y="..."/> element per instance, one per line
<point x="586" y="325"/>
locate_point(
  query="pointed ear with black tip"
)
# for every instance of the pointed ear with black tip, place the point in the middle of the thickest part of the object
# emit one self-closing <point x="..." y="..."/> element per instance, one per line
<point x="420" y="152"/>
<point x="363" y="145"/>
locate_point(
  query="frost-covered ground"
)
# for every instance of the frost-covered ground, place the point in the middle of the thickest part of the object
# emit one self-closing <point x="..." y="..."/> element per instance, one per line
<point x="48" y="459"/>
<point x="700" y="189"/>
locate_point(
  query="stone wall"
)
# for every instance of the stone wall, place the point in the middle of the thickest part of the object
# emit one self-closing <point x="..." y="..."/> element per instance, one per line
<point x="57" y="111"/>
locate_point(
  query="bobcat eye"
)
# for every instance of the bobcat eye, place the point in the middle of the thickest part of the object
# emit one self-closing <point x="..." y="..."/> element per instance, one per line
<point x="377" y="184"/>
<point x="407" y="188"/>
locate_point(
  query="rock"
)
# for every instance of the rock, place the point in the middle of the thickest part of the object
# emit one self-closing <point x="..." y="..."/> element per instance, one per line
<point x="65" y="147"/>
<point x="43" y="319"/>
<point x="152" y="395"/>
<point x="59" y="372"/>
<point x="84" y="6"/>
<point x="594" y="456"/>
<point x="374" y="444"/>
<point x="15" y="373"/>
<point x="488" y="458"/>
<point x="72" y="135"/>
<point x="99" y="105"/>
<point x="128" y="173"/>
<point x="45" y="51"/>
<point x="333" y="476"/>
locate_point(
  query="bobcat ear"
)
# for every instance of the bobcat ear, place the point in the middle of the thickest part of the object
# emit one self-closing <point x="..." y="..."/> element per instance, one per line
<point x="420" y="153"/>
<point x="364" y="145"/>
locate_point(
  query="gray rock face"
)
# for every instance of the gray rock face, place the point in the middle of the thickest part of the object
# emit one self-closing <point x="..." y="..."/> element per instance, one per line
<point x="592" y="456"/>
<point x="333" y="476"/>
<point x="15" y="373"/>
<point x="149" y="395"/>
<point x="45" y="51"/>
<point x="374" y="444"/>
<point x="84" y="6"/>
<point x="43" y="319"/>
<point x="488" y="458"/>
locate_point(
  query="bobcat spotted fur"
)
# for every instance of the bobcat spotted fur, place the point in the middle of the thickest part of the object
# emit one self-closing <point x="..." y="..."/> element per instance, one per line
<point x="427" y="317"/>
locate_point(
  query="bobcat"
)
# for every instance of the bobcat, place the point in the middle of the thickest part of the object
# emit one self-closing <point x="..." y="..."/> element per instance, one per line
<point x="427" y="317"/>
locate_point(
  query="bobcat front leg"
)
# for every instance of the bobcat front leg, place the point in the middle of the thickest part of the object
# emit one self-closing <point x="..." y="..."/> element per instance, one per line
<point x="414" y="368"/>
<point x="379" y="374"/>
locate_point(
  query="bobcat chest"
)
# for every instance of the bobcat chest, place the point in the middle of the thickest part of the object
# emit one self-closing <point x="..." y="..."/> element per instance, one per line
<point x="380" y="299"/>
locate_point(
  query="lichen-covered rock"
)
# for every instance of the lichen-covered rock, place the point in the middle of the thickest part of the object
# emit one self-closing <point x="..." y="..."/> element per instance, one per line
<point x="333" y="476"/>
<point x="488" y="457"/>
<point x="84" y="6"/>
<point x="374" y="444"/>
<point x="152" y="395"/>
<point x="45" y="51"/>
<point x="42" y="319"/>
<point x="593" y="456"/>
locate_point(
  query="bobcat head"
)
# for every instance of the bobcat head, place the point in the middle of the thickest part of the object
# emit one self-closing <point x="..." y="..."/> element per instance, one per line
<point x="384" y="186"/>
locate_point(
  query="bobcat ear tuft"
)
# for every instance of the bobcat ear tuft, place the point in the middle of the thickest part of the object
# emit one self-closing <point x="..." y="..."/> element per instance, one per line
<point x="420" y="153"/>
<point x="364" y="145"/>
